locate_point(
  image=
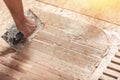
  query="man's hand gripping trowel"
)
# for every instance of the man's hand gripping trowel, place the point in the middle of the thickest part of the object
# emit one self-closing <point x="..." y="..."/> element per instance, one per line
<point x="15" y="38"/>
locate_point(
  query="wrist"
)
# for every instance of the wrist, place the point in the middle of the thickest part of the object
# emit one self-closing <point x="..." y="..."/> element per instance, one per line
<point x="19" y="20"/>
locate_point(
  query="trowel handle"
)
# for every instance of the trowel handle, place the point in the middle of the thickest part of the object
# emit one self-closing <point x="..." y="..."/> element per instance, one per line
<point x="18" y="38"/>
<point x="19" y="35"/>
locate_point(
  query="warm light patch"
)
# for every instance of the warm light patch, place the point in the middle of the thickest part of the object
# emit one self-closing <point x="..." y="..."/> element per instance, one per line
<point x="108" y="10"/>
<point x="103" y="3"/>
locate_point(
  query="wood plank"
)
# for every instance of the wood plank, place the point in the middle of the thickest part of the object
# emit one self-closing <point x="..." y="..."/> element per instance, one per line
<point x="25" y="62"/>
<point x="28" y="68"/>
<point x="105" y="77"/>
<point x="22" y="68"/>
<point x="15" y="74"/>
<point x="35" y="60"/>
<point x="116" y="61"/>
<point x="4" y="76"/>
<point x="39" y="64"/>
<point x="106" y="10"/>
<point x="57" y="62"/>
<point x="66" y="43"/>
<point x="111" y="73"/>
<point x="70" y="25"/>
<point x="114" y="67"/>
<point x="117" y="55"/>
<point x="76" y="16"/>
<point x="64" y="54"/>
<point x="53" y="65"/>
<point x="71" y="37"/>
<point x="118" y="78"/>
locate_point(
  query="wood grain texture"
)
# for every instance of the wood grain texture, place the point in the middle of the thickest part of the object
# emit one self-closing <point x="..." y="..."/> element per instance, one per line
<point x="60" y="33"/>
<point x="106" y="10"/>
<point x="112" y="71"/>
<point x="66" y="48"/>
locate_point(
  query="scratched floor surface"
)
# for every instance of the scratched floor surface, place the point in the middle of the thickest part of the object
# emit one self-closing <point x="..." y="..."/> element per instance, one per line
<point x="68" y="47"/>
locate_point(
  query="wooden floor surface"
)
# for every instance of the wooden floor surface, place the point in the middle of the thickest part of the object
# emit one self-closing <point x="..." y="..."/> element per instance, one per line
<point x="66" y="48"/>
<point x="107" y="10"/>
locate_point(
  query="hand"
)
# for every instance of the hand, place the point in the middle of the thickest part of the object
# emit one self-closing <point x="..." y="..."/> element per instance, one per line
<point x="26" y="27"/>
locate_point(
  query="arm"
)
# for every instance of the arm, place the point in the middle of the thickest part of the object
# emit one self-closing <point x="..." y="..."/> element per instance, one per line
<point x="24" y="24"/>
<point x="16" y="9"/>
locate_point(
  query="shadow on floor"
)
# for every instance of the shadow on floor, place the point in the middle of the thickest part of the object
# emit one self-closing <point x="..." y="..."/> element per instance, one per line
<point x="12" y="61"/>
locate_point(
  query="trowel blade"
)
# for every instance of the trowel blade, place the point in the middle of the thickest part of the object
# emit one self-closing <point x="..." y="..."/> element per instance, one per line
<point x="15" y="38"/>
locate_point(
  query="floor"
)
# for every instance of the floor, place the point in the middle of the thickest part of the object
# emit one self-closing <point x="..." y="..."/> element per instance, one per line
<point x="69" y="46"/>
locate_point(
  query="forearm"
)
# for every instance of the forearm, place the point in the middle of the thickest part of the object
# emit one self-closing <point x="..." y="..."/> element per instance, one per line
<point x="24" y="24"/>
<point x="16" y="9"/>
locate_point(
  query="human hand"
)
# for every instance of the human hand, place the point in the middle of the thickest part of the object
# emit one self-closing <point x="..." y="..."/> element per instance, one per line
<point x="26" y="27"/>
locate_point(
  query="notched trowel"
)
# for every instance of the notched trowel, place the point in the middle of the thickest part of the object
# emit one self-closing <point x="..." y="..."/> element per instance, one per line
<point x="15" y="38"/>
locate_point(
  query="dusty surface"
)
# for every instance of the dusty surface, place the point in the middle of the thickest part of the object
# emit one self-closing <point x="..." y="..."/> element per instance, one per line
<point x="70" y="46"/>
<point x="107" y="10"/>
